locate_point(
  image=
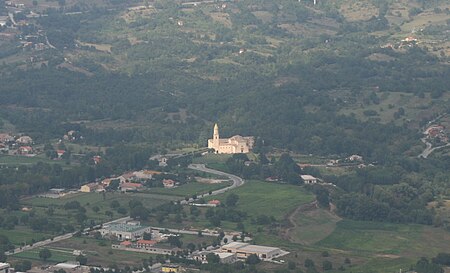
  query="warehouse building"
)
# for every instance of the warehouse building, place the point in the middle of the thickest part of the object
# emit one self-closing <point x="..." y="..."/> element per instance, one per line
<point x="243" y="250"/>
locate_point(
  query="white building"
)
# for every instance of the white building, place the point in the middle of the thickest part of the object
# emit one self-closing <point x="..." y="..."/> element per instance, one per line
<point x="308" y="179"/>
<point x="127" y="231"/>
<point x="233" y="145"/>
<point x="4" y="267"/>
<point x="243" y="250"/>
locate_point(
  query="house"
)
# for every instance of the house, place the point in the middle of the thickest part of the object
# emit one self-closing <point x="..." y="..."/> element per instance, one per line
<point x="60" y="153"/>
<point x="355" y="158"/>
<point x="92" y="187"/>
<point x="4" y="268"/>
<point x="125" y="231"/>
<point x="126" y="244"/>
<point x="97" y="159"/>
<point x="171" y="268"/>
<point x="308" y="179"/>
<point x="25" y="150"/>
<point x="214" y="202"/>
<point x="233" y="145"/>
<point x="127" y="186"/>
<point x="145" y="244"/>
<point x="225" y="257"/>
<point x="4" y="148"/>
<point x="145" y="174"/>
<point x="243" y="250"/>
<point x="24" y="140"/>
<point x="168" y="183"/>
<point x="5" y="138"/>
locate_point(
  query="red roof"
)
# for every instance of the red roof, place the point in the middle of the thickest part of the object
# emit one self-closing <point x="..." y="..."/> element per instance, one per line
<point x="146" y="242"/>
<point x="125" y="243"/>
<point x="214" y="202"/>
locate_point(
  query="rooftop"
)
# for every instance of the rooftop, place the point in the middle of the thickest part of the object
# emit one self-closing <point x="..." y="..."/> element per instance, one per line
<point x="125" y="227"/>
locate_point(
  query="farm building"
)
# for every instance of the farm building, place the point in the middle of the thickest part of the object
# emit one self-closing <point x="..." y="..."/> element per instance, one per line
<point x="125" y="231"/>
<point x="243" y="250"/>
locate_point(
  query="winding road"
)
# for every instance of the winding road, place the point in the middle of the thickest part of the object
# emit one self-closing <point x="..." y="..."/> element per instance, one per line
<point x="237" y="181"/>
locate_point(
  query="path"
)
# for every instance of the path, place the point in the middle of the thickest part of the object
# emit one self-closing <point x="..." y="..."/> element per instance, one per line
<point x="291" y="217"/>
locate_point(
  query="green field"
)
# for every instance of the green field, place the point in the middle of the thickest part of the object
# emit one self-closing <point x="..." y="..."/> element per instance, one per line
<point x="21" y="235"/>
<point x="373" y="237"/>
<point x="57" y="255"/>
<point x="257" y="197"/>
<point x="190" y="189"/>
<point x="25" y="160"/>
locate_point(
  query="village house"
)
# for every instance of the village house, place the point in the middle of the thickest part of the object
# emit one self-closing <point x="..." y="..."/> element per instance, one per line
<point x="308" y="179"/>
<point x="25" y="150"/>
<point x="232" y="145"/>
<point x="92" y="187"/>
<point x="4" y="148"/>
<point x="168" y="183"/>
<point x="355" y="158"/>
<point x="214" y="202"/>
<point x="60" y="153"/>
<point x="128" y="186"/>
<point x="145" y="244"/>
<point x="4" y="268"/>
<point x="171" y="268"/>
<point x="24" y="140"/>
<point x="6" y="138"/>
<point x="97" y="159"/>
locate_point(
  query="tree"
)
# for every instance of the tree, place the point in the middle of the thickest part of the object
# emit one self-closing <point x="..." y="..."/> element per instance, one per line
<point x="212" y="258"/>
<point x="81" y="259"/>
<point x="309" y="263"/>
<point x="232" y="200"/>
<point x="252" y="259"/>
<point x="327" y="265"/>
<point x="45" y="254"/>
<point x="147" y="236"/>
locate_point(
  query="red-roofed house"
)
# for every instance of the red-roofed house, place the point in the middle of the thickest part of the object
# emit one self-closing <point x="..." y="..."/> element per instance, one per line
<point x="145" y="243"/>
<point x="130" y="186"/>
<point x="168" y="183"/>
<point x="60" y="153"/>
<point x="214" y="202"/>
<point x="97" y="159"/>
<point x="126" y="244"/>
<point x="25" y="150"/>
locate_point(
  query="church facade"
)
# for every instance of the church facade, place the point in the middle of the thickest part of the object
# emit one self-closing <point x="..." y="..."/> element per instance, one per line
<point x="233" y="145"/>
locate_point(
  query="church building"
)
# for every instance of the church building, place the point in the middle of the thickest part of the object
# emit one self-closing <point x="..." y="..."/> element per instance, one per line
<point x="233" y="145"/>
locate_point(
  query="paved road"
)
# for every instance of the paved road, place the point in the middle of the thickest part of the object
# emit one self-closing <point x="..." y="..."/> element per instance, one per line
<point x="237" y="181"/>
<point x="59" y="238"/>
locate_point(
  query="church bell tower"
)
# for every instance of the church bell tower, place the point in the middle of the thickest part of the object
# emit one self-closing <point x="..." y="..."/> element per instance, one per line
<point x="216" y="137"/>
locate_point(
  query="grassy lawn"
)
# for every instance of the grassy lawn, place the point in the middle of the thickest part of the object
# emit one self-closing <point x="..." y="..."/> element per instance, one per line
<point x="21" y="235"/>
<point x="25" y="160"/>
<point x="58" y="256"/>
<point x="99" y="252"/>
<point x="271" y="199"/>
<point x="373" y="237"/>
<point x="313" y="226"/>
<point x="190" y="189"/>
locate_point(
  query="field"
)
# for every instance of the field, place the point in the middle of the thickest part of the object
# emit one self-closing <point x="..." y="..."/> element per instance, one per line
<point x="21" y="235"/>
<point x="190" y="189"/>
<point x="257" y="197"/>
<point x="25" y="160"/>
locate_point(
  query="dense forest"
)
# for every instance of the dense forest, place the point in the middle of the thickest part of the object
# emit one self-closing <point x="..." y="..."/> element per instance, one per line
<point x="166" y="77"/>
